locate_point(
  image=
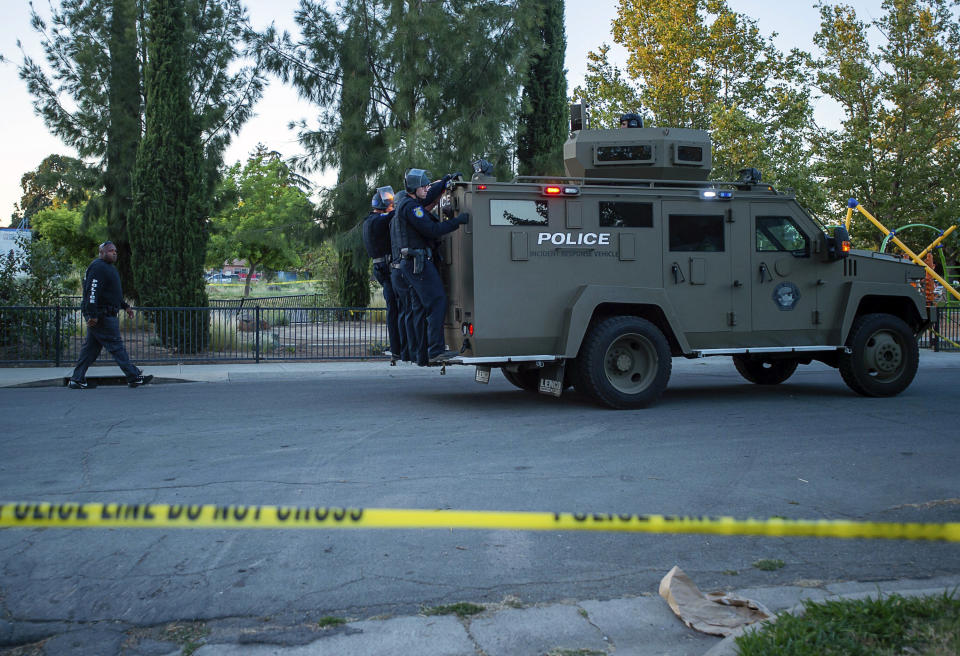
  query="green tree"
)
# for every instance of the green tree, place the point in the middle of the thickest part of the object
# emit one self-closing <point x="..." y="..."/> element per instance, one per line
<point x="67" y="231"/>
<point x="898" y="149"/>
<point x="59" y="181"/>
<point x="90" y="90"/>
<point x="400" y="84"/>
<point x="543" y="115"/>
<point x="605" y="91"/>
<point x="700" y="65"/>
<point x="268" y="220"/>
<point x="124" y="96"/>
<point x="169" y="238"/>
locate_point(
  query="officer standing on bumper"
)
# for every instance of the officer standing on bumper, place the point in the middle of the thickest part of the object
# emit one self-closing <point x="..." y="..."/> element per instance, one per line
<point x="376" y="239"/>
<point x="413" y="233"/>
<point x="102" y="301"/>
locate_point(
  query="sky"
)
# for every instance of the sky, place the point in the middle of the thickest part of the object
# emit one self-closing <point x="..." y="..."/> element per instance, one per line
<point x="26" y="140"/>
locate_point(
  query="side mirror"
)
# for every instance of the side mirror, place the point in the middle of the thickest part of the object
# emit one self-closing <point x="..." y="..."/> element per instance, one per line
<point x="838" y="245"/>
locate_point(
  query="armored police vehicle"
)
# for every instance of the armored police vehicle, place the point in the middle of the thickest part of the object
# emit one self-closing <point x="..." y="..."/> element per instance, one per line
<point x="598" y="279"/>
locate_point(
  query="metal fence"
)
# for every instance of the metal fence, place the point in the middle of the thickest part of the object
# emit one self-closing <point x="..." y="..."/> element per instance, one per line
<point x="239" y="332"/>
<point x="54" y="335"/>
<point x="944" y="334"/>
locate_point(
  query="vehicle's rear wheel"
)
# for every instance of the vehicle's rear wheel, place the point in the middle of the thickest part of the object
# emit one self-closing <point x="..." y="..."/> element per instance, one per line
<point x="525" y="379"/>
<point x="625" y="362"/>
<point x="883" y="356"/>
<point x="764" y="371"/>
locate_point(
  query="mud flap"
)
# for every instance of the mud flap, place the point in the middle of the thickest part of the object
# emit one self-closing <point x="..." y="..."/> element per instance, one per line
<point x="551" y="379"/>
<point x="483" y="374"/>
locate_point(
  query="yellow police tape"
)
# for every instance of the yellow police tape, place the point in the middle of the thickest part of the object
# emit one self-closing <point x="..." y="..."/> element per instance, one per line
<point x="158" y="515"/>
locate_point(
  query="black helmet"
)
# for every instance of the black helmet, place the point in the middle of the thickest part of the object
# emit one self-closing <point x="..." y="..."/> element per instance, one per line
<point x="382" y="199"/>
<point x="632" y="121"/>
<point x="416" y="178"/>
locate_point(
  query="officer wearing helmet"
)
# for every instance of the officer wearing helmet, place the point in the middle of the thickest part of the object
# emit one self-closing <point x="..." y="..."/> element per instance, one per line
<point x="414" y="233"/>
<point x="631" y="120"/>
<point x="376" y="239"/>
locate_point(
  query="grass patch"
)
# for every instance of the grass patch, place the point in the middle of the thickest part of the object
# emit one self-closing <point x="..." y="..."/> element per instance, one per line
<point x="329" y="621"/>
<point x="189" y="635"/>
<point x="769" y="564"/>
<point x="730" y="572"/>
<point x="927" y="626"/>
<point x="461" y="609"/>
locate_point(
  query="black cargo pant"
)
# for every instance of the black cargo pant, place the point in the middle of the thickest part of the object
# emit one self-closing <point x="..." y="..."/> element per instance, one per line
<point x="381" y="271"/>
<point x="105" y="335"/>
<point x="430" y="303"/>
<point x="408" y="332"/>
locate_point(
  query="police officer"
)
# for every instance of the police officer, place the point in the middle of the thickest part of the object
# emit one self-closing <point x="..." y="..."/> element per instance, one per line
<point x="376" y="239"/>
<point x="102" y="301"/>
<point x="631" y="120"/>
<point x="414" y="233"/>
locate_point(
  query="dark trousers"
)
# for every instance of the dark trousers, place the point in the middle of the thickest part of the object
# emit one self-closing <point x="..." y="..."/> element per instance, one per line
<point x="105" y="335"/>
<point x="408" y="333"/>
<point x="428" y="289"/>
<point x="381" y="271"/>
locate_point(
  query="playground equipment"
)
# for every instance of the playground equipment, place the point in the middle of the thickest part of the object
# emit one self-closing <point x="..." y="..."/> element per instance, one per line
<point x="852" y="204"/>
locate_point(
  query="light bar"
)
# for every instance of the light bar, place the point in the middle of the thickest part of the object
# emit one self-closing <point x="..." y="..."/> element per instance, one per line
<point x="716" y="194"/>
<point x="561" y="190"/>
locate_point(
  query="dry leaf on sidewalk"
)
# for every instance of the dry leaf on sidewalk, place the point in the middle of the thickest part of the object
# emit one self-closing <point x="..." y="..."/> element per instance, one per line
<point x="715" y="613"/>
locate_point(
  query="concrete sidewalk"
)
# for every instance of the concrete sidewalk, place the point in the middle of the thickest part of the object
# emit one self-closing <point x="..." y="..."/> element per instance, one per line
<point x="272" y="370"/>
<point x="633" y="626"/>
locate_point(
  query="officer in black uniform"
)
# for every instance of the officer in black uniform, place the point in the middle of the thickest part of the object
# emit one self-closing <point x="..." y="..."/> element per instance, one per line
<point x="376" y="239"/>
<point x="631" y="120"/>
<point x="102" y="301"/>
<point x="413" y="235"/>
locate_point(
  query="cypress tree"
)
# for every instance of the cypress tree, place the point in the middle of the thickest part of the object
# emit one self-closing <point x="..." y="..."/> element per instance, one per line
<point x="123" y="134"/>
<point x="351" y="200"/>
<point x="543" y="115"/>
<point x="169" y="236"/>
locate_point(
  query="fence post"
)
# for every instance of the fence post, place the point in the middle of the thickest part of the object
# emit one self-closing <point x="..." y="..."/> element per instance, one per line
<point x="59" y="336"/>
<point x="256" y="329"/>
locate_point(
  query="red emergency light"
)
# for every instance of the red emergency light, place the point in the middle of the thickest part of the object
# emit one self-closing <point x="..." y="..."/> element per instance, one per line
<point x="561" y="190"/>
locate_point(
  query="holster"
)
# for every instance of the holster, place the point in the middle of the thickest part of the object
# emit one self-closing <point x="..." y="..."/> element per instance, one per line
<point x="418" y="260"/>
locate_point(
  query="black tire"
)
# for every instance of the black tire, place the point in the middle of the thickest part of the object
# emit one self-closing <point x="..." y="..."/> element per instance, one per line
<point x="525" y="379"/>
<point x="764" y="371"/>
<point x="883" y="356"/>
<point x="625" y="362"/>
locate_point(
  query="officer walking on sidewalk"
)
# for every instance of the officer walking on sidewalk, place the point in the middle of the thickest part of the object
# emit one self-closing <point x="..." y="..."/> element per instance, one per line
<point x="376" y="239"/>
<point x="102" y="301"/>
<point x="413" y="233"/>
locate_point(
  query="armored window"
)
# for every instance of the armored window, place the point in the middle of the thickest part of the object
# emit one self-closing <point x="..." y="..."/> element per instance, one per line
<point x="781" y="234"/>
<point x="518" y="212"/>
<point x="626" y="215"/>
<point x="641" y="153"/>
<point x="696" y="232"/>
<point x="689" y="154"/>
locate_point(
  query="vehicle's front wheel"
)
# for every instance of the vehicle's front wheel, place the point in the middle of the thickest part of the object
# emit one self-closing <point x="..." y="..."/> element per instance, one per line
<point x="764" y="371"/>
<point x="625" y="362"/>
<point x="883" y="356"/>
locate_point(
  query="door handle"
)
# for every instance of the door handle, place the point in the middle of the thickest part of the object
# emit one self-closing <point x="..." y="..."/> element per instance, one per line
<point x="677" y="274"/>
<point x="765" y="273"/>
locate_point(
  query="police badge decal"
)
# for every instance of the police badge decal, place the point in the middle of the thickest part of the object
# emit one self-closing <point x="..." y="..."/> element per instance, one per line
<point x="786" y="295"/>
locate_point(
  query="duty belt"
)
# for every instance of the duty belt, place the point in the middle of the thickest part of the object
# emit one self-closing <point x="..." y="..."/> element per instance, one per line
<point x="411" y="252"/>
<point x="379" y="260"/>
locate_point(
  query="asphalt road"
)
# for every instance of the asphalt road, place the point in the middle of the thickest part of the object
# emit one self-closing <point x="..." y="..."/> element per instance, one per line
<point x="409" y="438"/>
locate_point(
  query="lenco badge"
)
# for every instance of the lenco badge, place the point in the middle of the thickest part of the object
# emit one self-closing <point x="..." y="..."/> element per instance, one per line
<point x="786" y="295"/>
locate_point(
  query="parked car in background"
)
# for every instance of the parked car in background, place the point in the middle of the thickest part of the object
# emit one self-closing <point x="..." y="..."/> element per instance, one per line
<point x="222" y="277"/>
